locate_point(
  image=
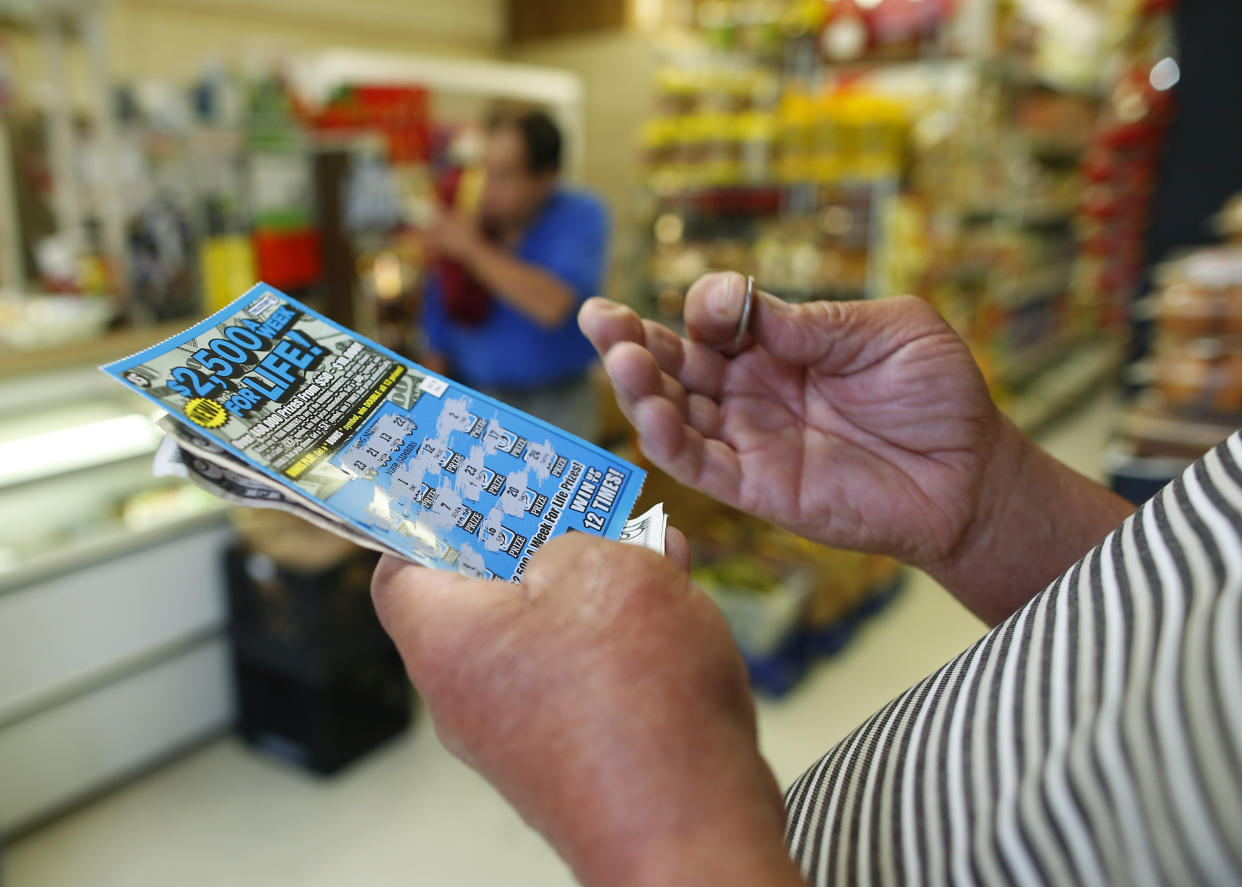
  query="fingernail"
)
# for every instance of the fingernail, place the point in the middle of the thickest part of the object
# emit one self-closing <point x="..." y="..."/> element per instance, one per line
<point x="599" y="303"/>
<point x="722" y="299"/>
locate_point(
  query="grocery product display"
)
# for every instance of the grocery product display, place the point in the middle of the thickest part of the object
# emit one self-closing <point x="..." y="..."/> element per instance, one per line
<point x="1191" y="382"/>
<point x="1001" y="180"/>
<point x="844" y="150"/>
<point x="1027" y="208"/>
<point x="779" y="183"/>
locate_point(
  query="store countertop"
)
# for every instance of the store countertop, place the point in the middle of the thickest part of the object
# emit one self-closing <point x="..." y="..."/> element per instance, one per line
<point x="95" y="350"/>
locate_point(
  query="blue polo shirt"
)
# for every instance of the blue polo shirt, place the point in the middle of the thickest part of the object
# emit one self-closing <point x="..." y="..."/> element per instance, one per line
<point x="569" y="238"/>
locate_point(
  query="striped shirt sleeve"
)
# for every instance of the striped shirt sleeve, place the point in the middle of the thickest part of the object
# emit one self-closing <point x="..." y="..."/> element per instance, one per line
<point x="1094" y="737"/>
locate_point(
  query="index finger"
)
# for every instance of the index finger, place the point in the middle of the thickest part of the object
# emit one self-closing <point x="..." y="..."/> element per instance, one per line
<point x="698" y="368"/>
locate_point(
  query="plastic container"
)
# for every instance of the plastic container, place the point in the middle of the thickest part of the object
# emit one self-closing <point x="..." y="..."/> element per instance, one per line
<point x="757" y="138"/>
<point x="289" y="260"/>
<point x="761" y="619"/>
<point x="1191" y="310"/>
<point x="1200" y="379"/>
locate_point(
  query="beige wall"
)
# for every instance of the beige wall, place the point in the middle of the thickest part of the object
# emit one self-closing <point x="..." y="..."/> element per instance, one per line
<point x="171" y="39"/>
<point x="617" y="70"/>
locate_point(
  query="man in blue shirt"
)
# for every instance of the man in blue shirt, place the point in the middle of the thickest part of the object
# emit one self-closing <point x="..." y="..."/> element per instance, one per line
<point x="501" y="310"/>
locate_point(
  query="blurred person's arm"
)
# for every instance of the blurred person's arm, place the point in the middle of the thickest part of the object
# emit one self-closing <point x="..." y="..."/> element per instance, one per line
<point x="527" y="288"/>
<point x="530" y="289"/>
<point x="861" y="425"/>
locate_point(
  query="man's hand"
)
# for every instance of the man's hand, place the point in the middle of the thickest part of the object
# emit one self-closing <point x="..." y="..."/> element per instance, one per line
<point x="453" y="236"/>
<point x="862" y="425"/>
<point x="528" y="288"/>
<point x="605" y="699"/>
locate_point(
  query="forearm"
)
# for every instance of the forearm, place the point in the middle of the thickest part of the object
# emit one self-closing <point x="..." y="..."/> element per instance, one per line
<point x="1037" y="517"/>
<point x="668" y="808"/>
<point x="718" y="857"/>
<point x="722" y="842"/>
<point x="525" y="287"/>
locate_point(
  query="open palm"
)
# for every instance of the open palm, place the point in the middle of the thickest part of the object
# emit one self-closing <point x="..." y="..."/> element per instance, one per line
<point x="861" y="425"/>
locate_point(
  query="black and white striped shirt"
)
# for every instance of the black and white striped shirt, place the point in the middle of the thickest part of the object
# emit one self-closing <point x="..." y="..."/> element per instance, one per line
<point x="1094" y="737"/>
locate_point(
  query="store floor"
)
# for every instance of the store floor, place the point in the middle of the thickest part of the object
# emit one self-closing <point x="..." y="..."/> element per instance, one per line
<point x="411" y="814"/>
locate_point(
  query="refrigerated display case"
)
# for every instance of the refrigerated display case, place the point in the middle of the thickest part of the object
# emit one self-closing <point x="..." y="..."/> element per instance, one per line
<point x="112" y="607"/>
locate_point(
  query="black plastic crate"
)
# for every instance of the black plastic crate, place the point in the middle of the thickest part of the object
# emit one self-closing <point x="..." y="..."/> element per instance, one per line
<point x="313" y="622"/>
<point x="322" y="726"/>
<point x="318" y="682"/>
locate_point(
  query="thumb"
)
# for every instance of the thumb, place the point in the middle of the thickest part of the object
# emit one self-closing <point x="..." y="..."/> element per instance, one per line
<point x="835" y="337"/>
<point x="421" y="609"/>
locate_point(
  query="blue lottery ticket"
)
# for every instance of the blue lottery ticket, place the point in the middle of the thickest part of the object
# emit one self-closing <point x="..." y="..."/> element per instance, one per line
<point x="434" y="471"/>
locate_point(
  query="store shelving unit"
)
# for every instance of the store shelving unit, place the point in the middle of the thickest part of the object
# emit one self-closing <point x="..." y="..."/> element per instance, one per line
<point x="752" y="167"/>
<point x="57" y="23"/>
<point x="754" y="164"/>
<point x="981" y="211"/>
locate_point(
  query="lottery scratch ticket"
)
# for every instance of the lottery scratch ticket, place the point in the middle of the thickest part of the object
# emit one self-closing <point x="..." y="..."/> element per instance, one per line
<point x="277" y="406"/>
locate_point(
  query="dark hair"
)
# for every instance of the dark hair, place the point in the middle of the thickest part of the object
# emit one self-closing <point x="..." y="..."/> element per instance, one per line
<point x="539" y="134"/>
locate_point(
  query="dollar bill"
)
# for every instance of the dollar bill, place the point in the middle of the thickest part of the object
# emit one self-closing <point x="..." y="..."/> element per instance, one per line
<point x="647" y="530"/>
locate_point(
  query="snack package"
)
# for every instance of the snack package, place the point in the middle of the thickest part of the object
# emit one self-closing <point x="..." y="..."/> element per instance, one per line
<point x="274" y="405"/>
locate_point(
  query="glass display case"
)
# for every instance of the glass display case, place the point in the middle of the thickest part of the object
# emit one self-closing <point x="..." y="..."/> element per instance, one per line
<point x="112" y="607"/>
<point x="75" y="474"/>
